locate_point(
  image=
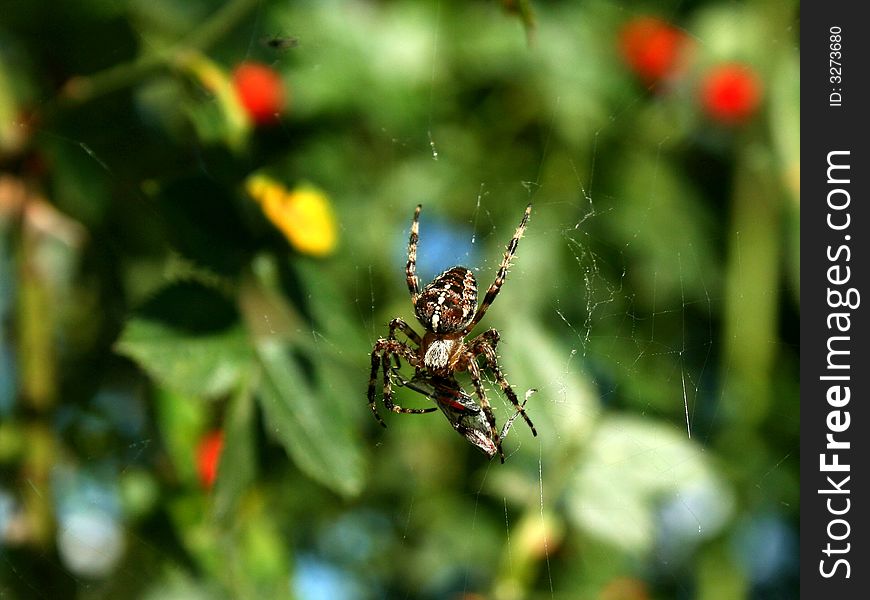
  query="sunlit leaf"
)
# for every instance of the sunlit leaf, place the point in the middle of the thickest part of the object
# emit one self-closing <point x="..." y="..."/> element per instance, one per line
<point x="237" y="468"/>
<point x="331" y="312"/>
<point x="195" y="365"/>
<point x="634" y="467"/>
<point x="565" y="408"/>
<point x="181" y="423"/>
<point x="308" y="421"/>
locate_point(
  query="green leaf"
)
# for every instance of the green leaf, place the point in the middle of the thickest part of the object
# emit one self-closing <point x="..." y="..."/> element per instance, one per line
<point x="309" y="423"/>
<point x="566" y="407"/>
<point x="632" y="467"/>
<point x="237" y="467"/>
<point x="193" y="365"/>
<point x="181" y="423"/>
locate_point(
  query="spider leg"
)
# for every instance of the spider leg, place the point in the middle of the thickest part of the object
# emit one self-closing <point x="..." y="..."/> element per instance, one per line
<point x="493" y="290"/>
<point x="510" y="422"/>
<point x="376" y="362"/>
<point x="388" y="395"/>
<point x="484" y="345"/>
<point x="474" y="372"/>
<point x="412" y="335"/>
<point x="381" y="353"/>
<point x="411" y="267"/>
<point x="402" y="326"/>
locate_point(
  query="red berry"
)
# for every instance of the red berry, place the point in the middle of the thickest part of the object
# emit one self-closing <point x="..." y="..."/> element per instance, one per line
<point x="208" y="454"/>
<point x="731" y="93"/>
<point x="651" y="47"/>
<point x="260" y="90"/>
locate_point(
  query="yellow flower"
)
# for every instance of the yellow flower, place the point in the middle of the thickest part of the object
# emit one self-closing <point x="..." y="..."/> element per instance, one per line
<point x="304" y="215"/>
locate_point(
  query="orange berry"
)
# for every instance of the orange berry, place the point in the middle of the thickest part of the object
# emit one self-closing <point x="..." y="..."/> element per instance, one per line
<point x="731" y="93"/>
<point x="260" y="91"/>
<point x="208" y="454"/>
<point x="651" y="47"/>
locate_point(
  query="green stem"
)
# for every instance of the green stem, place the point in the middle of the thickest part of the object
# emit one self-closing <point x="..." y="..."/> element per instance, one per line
<point x="752" y="286"/>
<point x="219" y="24"/>
<point x="82" y="89"/>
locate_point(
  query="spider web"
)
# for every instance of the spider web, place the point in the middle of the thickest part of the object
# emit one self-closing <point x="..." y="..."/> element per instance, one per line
<point x="610" y="319"/>
<point x="592" y="335"/>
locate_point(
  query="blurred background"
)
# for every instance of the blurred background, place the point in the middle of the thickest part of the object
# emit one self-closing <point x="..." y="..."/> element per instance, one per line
<point x="204" y="215"/>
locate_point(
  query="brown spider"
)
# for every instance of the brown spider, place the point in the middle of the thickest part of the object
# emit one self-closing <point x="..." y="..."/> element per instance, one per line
<point x="447" y="309"/>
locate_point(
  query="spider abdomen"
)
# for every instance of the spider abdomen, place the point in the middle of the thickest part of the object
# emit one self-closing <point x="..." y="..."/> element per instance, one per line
<point x="449" y="302"/>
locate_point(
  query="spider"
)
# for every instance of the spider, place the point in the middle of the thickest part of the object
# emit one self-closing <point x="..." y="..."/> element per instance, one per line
<point x="447" y="309"/>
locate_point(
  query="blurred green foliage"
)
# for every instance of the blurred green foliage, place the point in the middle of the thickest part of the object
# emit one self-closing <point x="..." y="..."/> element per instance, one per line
<point x="147" y="301"/>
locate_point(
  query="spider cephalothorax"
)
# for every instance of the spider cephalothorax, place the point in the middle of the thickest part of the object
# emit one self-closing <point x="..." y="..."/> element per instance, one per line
<point x="447" y="309"/>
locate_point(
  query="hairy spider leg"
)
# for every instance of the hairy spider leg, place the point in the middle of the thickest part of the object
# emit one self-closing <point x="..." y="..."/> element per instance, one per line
<point x="381" y="355"/>
<point x="411" y="267"/>
<point x="484" y="345"/>
<point x="474" y="372"/>
<point x="510" y="422"/>
<point x="493" y="290"/>
<point x="401" y="325"/>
